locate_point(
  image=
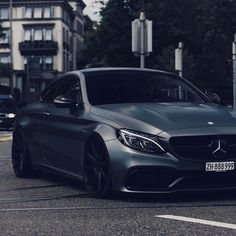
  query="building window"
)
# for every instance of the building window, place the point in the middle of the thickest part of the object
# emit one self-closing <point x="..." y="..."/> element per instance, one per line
<point x="38" y="34"/>
<point x="4" y="13"/>
<point x="28" y="35"/>
<point x="64" y="35"/>
<point x="80" y="29"/>
<point x="66" y="17"/>
<point x="48" y="63"/>
<point x="5" y="58"/>
<point x="48" y="34"/>
<point x="39" y="63"/>
<point x="47" y="12"/>
<point x="38" y="12"/>
<point x="5" y="36"/>
<point x="79" y="9"/>
<point x="28" y="12"/>
<point x="67" y="36"/>
<point x="64" y="62"/>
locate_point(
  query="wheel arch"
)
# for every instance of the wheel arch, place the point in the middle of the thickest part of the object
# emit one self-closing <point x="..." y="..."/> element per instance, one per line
<point x="95" y="134"/>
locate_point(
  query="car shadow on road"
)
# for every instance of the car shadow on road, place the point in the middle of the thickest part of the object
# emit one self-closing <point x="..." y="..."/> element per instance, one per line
<point x="179" y="197"/>
<point x="205" y="197"/>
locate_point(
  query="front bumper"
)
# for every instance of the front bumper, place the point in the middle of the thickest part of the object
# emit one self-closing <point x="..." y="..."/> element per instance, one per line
<point x="7" y="123"/>
<point x="137" y="172"/>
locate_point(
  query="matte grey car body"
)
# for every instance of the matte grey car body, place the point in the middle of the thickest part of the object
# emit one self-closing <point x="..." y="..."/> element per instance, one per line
<point x="149" y="146"/>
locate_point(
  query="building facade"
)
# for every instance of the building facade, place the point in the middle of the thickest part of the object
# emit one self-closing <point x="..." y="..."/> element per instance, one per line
<point x="46" y="39"/>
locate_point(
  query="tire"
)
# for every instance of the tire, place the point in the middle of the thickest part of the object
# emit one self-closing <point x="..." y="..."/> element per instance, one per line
<point x="97" y="171"/>
<point x="20" y="157"/>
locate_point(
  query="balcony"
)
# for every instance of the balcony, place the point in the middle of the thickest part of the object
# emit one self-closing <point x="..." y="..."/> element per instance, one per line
<point x="28" y="48"/>
<point x="4" y="45"/>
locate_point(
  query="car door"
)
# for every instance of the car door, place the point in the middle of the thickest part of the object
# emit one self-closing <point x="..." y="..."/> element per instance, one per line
<point x="60" y="127"/>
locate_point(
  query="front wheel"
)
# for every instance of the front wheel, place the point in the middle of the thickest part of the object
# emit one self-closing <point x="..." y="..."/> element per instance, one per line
<point x="97" y="172"/>
<point x="20" y="157"/>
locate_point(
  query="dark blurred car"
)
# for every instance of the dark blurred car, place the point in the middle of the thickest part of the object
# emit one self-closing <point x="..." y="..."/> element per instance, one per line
<point x="7" y="112"/>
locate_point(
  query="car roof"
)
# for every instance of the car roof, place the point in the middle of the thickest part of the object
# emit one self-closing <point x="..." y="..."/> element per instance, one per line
<point x="107" y="69"/>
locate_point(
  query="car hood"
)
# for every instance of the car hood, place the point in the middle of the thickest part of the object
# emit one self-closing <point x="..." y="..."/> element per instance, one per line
<point x="166" y="116"/>
<point x="8" y="110"/>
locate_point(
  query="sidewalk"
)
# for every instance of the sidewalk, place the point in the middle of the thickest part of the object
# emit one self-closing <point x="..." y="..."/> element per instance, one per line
<point x="5" y="136"/>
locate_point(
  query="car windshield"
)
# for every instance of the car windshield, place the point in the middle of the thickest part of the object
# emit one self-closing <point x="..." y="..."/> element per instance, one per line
<point x="6" y="103"/>
<point x="138" y="87"/>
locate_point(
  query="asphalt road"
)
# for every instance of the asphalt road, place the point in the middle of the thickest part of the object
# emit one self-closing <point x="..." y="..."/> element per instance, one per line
<point x="52" y="205"/>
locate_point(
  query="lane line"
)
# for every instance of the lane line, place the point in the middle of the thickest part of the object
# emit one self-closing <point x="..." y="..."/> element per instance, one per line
<point x="198" y="221"/>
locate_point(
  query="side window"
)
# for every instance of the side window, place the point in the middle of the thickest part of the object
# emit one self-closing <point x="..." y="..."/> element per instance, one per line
<point x="48" y="94"/>
<point x="68" y="87"/>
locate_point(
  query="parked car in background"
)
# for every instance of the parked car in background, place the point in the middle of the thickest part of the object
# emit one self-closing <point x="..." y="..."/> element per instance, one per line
<point x="7" y="112"/>
<point x="127" y="130"/>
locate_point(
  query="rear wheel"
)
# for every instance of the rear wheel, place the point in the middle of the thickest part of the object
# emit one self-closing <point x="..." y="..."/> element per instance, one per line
<point x="97" y="168"/>
<point x="20" y="157"/>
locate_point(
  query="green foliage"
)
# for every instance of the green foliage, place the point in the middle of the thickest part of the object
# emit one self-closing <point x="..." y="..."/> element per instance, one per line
<point x="205" y="26"/>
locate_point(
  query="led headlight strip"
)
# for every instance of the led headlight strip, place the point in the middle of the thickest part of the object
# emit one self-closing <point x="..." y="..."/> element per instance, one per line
<point x="141" y="141"/>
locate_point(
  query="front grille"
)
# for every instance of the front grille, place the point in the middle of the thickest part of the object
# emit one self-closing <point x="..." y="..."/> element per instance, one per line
<point x="150" y="178"/>
<point x="168" y="179"/>
<point x="207" y="181"/>
<point x="199" y="147"/>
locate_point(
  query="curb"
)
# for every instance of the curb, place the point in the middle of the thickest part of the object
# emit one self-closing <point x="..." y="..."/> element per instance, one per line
<point x="5" y="138"/>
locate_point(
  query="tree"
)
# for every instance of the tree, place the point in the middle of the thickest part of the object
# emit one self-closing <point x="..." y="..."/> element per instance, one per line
<point x="110" y="42"/>
<point x="205" y="26"/>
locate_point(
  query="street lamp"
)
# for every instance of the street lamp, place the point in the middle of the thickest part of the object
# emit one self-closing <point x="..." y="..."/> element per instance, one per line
<point x="142" y="38"/>
<point x="11" y="46"/>
<point x="179" y="59"/>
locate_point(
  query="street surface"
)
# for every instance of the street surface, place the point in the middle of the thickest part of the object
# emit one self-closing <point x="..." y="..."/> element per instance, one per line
<point x="52" y="205"/>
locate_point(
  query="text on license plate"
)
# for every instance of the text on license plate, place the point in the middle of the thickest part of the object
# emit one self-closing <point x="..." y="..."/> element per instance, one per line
<point x="220" y="166"/>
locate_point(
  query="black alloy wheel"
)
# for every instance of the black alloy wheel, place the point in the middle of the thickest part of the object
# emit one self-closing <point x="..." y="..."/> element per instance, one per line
<point x="20" y="157"/>
<point x="97" y="168"/>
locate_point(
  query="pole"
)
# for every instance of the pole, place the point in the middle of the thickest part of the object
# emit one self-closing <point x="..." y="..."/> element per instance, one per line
<point x="142" y="39"/>
<point x="27" y="80"/>
<point x="179" y="65"/>
<point x="181" y="59"/>
<point x="11" y="47"/>
<point x="234" y="72"/>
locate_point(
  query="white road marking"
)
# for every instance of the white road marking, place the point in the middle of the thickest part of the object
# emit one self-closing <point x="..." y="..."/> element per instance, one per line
<point x="198" y="221"/>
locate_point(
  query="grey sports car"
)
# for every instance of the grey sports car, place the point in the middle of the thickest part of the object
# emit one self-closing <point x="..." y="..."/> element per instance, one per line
<point x="127" y="130"/>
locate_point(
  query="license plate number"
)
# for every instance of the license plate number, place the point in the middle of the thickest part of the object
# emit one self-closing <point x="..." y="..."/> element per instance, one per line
<point x="220" y="166"/>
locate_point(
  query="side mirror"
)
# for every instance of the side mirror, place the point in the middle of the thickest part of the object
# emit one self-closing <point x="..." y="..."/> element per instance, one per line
<point x="64" y="102"/>
<point x="214" y="97"/>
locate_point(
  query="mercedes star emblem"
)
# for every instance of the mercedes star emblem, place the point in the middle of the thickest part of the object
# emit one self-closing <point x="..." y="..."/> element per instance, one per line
<point x="218" y="148"/>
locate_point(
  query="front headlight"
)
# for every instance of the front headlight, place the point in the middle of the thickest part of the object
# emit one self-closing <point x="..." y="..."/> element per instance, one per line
<point x="10" y="115"/>
<point x="140" y="141"/>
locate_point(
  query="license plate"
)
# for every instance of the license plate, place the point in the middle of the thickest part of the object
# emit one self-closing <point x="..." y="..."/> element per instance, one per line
<point x="220" y="166"/>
